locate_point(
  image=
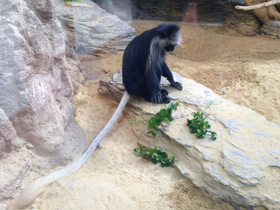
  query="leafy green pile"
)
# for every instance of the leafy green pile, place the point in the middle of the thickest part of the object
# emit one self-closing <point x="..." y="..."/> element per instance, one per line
<point x="154" y="155"/>
<point x="164" y="115"/>
<point x="199" y="125"/>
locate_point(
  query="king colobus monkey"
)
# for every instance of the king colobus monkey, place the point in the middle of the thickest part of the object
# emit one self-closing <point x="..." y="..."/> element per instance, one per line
<point x="143" y="66"/>
<point x="143" y="63"/>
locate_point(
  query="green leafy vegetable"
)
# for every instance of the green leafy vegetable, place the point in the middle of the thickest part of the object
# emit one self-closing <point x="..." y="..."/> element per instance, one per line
<point x="163" y="115"/>
<point x="199" y="125"/>
<point x="154" y="155"/>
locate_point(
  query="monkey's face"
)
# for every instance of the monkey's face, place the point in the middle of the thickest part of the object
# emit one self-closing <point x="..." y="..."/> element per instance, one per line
<point x="170" y="48"/>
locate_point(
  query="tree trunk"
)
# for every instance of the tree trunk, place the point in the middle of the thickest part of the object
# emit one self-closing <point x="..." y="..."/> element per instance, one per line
<point x="266" y="13"/>
<point x="273" y="13"/>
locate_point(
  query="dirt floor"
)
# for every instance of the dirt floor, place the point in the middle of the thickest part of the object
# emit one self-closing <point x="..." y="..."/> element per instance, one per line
<point x="245" y="70"/>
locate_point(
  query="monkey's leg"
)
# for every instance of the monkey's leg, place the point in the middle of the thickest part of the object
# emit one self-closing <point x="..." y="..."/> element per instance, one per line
<point x="153" y="85"/>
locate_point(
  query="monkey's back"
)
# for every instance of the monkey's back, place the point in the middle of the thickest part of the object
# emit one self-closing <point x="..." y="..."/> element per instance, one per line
<point x="135" y="61"/>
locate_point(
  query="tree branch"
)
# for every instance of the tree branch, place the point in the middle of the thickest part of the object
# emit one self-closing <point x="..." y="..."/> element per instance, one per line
<point x="258" y="6"/>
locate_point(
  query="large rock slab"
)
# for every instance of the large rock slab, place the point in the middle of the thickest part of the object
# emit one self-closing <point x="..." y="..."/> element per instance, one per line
<point x="91" y="29"/>
<point x="242" y="166"/>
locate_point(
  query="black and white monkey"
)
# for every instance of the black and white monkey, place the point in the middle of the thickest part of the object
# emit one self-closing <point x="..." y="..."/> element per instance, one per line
<point x="143" y="66"/>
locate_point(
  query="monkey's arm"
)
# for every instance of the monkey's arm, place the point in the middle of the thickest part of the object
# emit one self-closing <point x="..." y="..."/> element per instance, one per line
<point x="167" y="73"/>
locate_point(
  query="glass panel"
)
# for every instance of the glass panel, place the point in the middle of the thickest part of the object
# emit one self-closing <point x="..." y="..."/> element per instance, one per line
<point x="64" y="68"/>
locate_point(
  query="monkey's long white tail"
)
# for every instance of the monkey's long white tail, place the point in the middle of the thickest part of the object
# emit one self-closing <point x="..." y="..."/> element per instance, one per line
<point x="40" y="184"/>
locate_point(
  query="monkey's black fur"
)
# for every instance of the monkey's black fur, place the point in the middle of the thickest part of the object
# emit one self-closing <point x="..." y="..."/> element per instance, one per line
<point x="143" y="63"/>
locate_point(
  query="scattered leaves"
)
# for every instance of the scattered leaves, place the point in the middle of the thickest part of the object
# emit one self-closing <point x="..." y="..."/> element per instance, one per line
<point x="164" y="115"/>
<point x="154" y="155"/>
<point x="199" y="125"/>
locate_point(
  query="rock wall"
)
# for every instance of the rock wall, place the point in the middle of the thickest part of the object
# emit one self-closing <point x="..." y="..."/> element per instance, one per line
<point x="242" y="166"/>
<point x="206" y="10"/>
<point x="271" y="29"/>
<point x="36" y="90"/>
<point x="164" y="9"/>
<point x="8" y="136"/>
<point x="36" y="95"/>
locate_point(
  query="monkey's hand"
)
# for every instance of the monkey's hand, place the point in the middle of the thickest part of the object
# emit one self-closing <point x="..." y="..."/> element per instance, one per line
<point x="158" y="97"/>
<point x="177" y="85"/>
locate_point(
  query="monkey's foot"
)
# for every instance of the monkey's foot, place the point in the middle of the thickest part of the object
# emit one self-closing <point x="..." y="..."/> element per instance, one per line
<point x="164" y="92"/>
<point x="159" y="98"/>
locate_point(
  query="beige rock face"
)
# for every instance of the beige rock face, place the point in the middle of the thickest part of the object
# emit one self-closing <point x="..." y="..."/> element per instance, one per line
<point x="36" y="90"/>
<point x="242" y="166"/>
<point x="91" y="29"/>
<point x="36" y="95"/>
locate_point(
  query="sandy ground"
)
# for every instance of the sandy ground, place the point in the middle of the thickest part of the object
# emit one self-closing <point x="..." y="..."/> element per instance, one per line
<point x="245" y="70"/>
